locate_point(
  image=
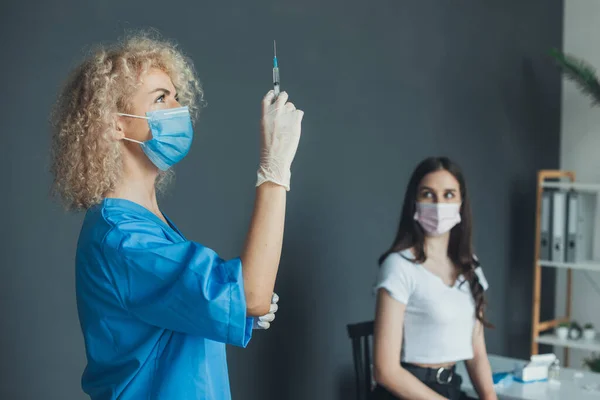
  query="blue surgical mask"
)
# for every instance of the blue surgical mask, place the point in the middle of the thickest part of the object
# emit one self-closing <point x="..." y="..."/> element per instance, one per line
<point x="172" y="135"/>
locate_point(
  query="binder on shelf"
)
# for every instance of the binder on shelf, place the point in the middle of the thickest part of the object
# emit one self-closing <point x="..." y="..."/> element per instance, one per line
<point x="545" y="239"/>
<point x="559" y="209"/>
<point x="572" y="248"/>
<point x="587" y="229"/>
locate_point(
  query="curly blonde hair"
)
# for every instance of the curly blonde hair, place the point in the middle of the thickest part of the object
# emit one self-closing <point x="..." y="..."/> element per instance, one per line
<point x="86" y="160"/>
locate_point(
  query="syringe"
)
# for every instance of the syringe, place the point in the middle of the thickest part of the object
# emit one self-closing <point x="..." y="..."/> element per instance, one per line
<point x="275" y="71"/>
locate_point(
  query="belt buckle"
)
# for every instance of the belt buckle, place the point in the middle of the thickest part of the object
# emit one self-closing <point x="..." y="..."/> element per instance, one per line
<point x="438" y="376"/>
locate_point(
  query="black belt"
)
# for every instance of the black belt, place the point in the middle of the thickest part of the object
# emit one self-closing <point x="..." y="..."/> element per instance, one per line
<point x="442" y="375"/>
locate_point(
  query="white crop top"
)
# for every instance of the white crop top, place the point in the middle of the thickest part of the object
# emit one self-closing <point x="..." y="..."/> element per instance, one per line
<point x="439" y="319"/>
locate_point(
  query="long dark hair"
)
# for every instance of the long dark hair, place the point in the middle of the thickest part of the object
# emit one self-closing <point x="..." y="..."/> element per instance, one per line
<point x="460" y="248"/>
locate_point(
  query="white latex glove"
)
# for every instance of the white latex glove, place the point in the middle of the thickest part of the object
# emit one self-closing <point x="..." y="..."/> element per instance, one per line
<point x="281" y="126"/>
<point x="264" y="322"/>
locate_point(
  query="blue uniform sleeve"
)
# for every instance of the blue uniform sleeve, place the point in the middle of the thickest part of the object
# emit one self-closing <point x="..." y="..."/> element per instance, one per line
<point x="184" y="286"/>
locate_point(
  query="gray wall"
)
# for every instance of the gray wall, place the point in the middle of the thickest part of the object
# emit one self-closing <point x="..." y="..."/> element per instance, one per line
<point x="580" y="142"/>
<point x="383" y="84"/>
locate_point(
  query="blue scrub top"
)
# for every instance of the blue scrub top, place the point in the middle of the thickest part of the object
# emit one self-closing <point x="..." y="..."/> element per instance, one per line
<point x="156" y="310"/>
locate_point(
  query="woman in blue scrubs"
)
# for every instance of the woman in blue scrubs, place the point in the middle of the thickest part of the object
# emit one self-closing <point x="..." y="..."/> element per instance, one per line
<point x="157" y="309"/>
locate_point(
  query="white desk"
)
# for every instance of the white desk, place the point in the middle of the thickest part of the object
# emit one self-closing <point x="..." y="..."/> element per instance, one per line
<point x="570" y="388"/>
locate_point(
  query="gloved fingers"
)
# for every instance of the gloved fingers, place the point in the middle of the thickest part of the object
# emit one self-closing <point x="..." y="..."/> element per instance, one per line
<point x="268" y="99"/>
<point x="281" y="100"/>
<point x="267" y="103"/>
<point x="274" y="298"/>
<point x="281" y="129"/>
<point x="263" y="325"/>
<point x="267" y="318"/>
<point x="273" y="308"/>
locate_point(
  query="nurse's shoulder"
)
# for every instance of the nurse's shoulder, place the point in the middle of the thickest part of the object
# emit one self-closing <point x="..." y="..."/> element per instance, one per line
<point x="114" y="220"/>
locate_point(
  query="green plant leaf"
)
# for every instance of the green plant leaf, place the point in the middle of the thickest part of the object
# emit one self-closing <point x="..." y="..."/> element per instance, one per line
<point x="580" y="72"/>
<point x="593" y="362"/>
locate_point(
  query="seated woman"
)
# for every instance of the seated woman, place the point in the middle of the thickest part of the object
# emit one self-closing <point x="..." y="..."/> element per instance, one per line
<point x="430" y="294"/>
<point x="156" y="308"/>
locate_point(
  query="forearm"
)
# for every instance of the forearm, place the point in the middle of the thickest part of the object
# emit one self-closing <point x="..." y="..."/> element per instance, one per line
<point x="405" y="385"/>
<point x="262" y="249"/>
<point x="480" y="372"/>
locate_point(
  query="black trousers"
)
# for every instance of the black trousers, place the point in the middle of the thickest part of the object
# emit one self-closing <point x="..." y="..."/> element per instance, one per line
<point x="449" y="390"/>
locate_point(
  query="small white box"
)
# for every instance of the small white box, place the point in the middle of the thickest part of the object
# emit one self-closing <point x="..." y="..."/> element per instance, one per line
<point x="536" y="369"/>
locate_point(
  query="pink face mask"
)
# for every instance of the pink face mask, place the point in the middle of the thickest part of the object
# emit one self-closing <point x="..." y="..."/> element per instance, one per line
<point x="437" y="218"/>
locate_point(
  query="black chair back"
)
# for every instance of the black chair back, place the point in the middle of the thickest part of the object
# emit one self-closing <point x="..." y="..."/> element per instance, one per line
<point x="361" y="335"/>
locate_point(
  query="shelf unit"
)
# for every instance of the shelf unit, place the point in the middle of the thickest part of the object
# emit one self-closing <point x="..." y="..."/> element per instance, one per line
<point x="580" y="187"/>
<point x="539" y="334"/>
<point x="582" y="344"/>
<point x="583" y="265"/>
